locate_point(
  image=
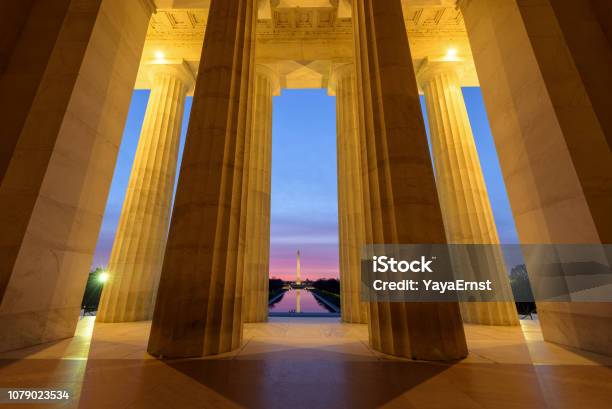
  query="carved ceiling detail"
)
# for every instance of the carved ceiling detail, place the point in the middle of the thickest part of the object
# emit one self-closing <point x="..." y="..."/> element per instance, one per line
<point x="433" y="21"/>
<point x="177" y="24"/>
<point x="302" y="43"/>
<point x="189" y="24"/>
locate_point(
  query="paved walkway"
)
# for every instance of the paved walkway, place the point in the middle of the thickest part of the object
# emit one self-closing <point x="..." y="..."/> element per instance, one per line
<point x="312" y="363"/>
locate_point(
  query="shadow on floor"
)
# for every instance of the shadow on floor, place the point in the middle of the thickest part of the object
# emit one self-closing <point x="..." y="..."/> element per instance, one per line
<point x="307" y="378"/>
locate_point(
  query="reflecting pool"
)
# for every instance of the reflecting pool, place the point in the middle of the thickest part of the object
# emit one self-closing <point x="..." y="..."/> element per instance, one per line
<point x="299" y="301"/>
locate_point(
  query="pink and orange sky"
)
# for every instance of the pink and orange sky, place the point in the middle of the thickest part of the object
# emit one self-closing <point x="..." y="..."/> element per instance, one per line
<point x="318" y="247"/>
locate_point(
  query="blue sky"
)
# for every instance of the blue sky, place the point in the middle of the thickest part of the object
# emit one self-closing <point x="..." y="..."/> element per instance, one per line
<point x="304" y="184"/>
<point x="304" y="179"/>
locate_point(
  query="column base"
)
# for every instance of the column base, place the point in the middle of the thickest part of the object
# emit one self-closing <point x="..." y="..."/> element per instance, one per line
<point x="405" y="330"/>
<point x="176" y="349"/>
<point x="432" y="355"/>
<point x="350" y="320"/>
<point x="26" y="329"/>
<point x="255" y="320"/>
<point x="586" y="326"/>
<point x="489" y="313"/>
<point x="132" y="318"/>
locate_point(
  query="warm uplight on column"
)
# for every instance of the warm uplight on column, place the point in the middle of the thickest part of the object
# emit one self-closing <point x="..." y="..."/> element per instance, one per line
<point x="464" y="200"/>
<point x="138" y="248"/>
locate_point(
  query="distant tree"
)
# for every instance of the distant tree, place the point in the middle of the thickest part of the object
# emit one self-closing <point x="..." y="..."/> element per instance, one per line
<point x="521" y="289"/>
<point x="331" y="285"/>
<point x="93" y="290"/>
<point x="275" y="284"/>
<point x="275" y="287"/>
<point x="519" y="281"/>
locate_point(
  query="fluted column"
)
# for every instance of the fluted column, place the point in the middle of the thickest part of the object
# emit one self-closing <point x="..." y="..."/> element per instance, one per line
<point x="468" y="218"/>
<point x="21" y="73"/>
<point x="138" y="250"/>
<point x="351" y="226"/>
<point x="552" y="140"/>
<point x="65" y="94"/>
<point x="257" y="239"/>
<point x="400" y="199"/>
<point x="198" y="310"/>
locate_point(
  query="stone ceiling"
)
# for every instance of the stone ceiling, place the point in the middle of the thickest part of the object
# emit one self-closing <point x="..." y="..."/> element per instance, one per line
<point x="302" y="39"/>
<point x="263" y="4"/>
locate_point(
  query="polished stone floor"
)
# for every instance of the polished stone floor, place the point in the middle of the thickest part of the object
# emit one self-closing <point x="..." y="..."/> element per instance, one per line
<point x="311" y="363"/>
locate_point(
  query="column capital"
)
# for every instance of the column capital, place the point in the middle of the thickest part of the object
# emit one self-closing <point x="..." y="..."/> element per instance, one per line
<point x="339" y="70"/>
<point x="431" y="68"/>
<point x="176" y="68"/>
<point x="345" y="8"/>
<point x="272" y="75"/>
<point x="264" y="10"/>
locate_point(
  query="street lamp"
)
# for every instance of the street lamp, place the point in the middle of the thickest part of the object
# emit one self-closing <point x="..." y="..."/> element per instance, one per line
<point x="103" y="277"/>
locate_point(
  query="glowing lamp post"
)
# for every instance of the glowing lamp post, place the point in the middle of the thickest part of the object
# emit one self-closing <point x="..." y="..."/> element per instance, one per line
<point x="103" y="277"/>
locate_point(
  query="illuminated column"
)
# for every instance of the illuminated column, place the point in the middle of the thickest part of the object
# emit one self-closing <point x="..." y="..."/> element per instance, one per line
<point x="546" y="85"/>
<point x="138" y="250"/>
<point x="468" y="218"/>
<point x="65" y="95"/>
<point x="350" y="207"/>
<point x="198" y="310"/>
<point x="400" y="195"/>
<point x="257" y="230"/>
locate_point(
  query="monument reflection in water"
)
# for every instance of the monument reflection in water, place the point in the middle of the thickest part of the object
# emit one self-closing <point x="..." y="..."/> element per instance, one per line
<point x="299" y="301"/>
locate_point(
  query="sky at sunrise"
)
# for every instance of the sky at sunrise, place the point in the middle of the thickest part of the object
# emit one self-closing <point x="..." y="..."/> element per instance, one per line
<point x="304" y="180"/>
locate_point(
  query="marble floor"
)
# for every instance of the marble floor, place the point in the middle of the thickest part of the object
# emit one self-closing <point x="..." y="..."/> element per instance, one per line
<point x="311" y="363"/>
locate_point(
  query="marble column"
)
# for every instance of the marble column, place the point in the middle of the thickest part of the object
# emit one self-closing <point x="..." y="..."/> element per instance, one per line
<point x="587" y="30"/>
<point x="602" y="11"/>
<point x="257" y="239"/>
<point x="13" y="17"/>
<point x="138" y="250"/>
<point x="552" y="144"/>
<point x="351" y="226"/>
<point x="466" y="210"/>
<point x="29" y="32"/>
<point x="400" y="198"/>
<point x="199" y="303"/>
<point x="54" y="191"/>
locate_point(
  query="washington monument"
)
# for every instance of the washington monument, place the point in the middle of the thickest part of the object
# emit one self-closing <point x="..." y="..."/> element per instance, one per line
<point x="298" y="280"/>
